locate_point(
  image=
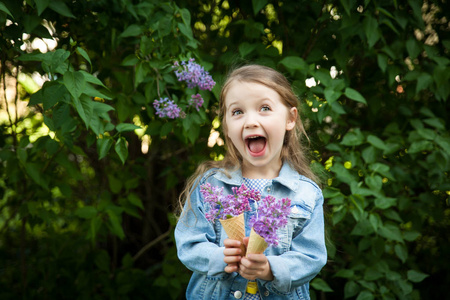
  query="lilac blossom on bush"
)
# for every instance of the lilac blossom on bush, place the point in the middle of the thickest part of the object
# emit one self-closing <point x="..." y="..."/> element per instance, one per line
<point x="166" y="108"/>
<point x="196" y="101"/>
<point x="194" y="75"/>
<point x="227" y="206"/>
<point x="272" y="214"/>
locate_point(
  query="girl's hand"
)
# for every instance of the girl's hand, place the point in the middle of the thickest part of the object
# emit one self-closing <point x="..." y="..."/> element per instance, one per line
<point x="255" y="266"/>
<point x="232" y="254"/>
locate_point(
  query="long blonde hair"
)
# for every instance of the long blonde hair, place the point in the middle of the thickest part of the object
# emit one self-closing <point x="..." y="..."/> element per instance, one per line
<point x="293" y="152"/>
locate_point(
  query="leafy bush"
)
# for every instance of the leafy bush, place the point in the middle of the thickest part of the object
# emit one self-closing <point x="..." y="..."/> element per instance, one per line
<point x="90" y="173"/>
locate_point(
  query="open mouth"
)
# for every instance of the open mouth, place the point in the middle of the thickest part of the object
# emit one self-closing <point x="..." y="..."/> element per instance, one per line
<point x="256" y="144"/>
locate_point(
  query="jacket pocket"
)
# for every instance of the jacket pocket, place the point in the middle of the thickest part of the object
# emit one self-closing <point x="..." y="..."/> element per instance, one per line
<point x="214" y="287"/>
<point x="296" y="221"/>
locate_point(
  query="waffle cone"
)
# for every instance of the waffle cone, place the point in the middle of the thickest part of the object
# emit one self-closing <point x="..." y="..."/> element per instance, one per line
<point x="235" y="229"/>
<point x="256" y="243"/>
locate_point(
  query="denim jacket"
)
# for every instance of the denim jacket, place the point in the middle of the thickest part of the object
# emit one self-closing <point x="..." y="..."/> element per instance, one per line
<point x="297" y="259"/>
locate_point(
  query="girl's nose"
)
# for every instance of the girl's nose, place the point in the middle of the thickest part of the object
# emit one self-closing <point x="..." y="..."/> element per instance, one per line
<point x="251" y="121"/>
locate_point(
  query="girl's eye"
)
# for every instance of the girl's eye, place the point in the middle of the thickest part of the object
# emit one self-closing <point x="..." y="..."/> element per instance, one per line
<point x="236" y="112"/>
<point x="265" y="108"/>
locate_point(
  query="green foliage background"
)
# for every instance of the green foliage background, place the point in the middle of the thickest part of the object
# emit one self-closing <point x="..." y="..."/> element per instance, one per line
<point x="85" y="214"/>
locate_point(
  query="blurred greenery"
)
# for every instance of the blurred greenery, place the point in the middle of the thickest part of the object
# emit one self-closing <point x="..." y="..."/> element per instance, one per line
<point x="90" y="176"/>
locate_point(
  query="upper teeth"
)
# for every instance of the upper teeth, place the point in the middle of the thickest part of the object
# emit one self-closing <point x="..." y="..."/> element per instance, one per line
<point x="253" y="137"/>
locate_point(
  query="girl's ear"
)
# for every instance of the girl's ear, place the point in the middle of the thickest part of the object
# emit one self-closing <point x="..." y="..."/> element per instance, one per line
<point x="292" y="118"/>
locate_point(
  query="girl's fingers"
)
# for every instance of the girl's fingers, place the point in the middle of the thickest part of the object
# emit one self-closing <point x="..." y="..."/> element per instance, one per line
<point x="229" y="243"/>
<point x="232" y="251"/>
<point x="231" y="268"/>
<point x="232" y="259"/>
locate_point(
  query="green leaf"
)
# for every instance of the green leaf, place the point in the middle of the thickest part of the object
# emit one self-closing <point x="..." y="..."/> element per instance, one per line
<point x="41" y="5"/>
<point x="294" y="63"/>
<point x="61" y="8"/>
<point x="116" y="226"/>
<point x="365" y="295"/>
<point x="130" y="60"/>
<point x="103" y="146"/>
<point x="186" y="16"/>
<point x="423" y="82"/>
<point x="376" y="142"/>
<point x="375" y="221"/>
<point x="353" y="138"/>
<point x="166" y="129"/>
<point x="331" y="95"/>
<point x="385" y="202"/>
<point x="258" y="5"/>
<point x="140" y="73"/>
<point x="371" y="30"/>
<point x="374" y="182"/>
<point x="435" y="122"/>
<point x="331" y="192"/>
<point x="86" y="212"/>
<point x="193" y="134"/>
<point x="362" y="228"/>
<point x="75" y="83"/>
<point x="347" y="6"/>
<point x="124" y="127"/>
<point x="186" y="31"/>
<point x="412" y="46"/>
<point x="53" y="92"/>
<point x="52" y="62"/>
<point x="369" y="154"/>
<point x="102" y="261"/>
<point x="132" y="30"/>
<point x="382" y="61"/>
<point x="402" y="252"/>
<point x="354" y="95"/>
<point x="121" y="149"/>
<point x="35" y="172"/>
<point x="420" y="146"/>
<point x="135" y="200"/>
<point x="246" y="48"/>
<point x="351" y="289"/>
<point x="83" y="53"/>
<point x="336" y="107"/>
<point x="4" y="9"/>
<point x="371" y="274"/>
<point x="416" y="276"/>
<point x="320" y="285"/>
<point x="84" y="106"/>
<point x="411" y="236"/>
<point x="342" y="173"/>
<point x="391" y="232"/>
<point x="92" y="79"/>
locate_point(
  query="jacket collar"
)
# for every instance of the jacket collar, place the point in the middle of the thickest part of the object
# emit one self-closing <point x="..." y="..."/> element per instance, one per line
<point x="287" y="177"/>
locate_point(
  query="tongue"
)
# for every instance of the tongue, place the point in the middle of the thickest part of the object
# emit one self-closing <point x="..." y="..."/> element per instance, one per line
<point x="256" y="145"/>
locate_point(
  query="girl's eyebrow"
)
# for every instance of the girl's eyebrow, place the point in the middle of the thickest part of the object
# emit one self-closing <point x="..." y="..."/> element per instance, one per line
<point x="235" y="103"/>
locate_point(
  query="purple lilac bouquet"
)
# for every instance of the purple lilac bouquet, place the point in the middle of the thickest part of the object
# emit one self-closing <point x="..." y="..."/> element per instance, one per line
<point x="166" y="108"/>
<point x="196" y="101"/>
<point x="224" y="207"/>
<point x="272" y="214"/>
<point x="194" y="75"/>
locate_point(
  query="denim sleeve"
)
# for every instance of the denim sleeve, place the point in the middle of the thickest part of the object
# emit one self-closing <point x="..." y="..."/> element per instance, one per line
<point x="306" y="257"/>
<point x="196" y="238"/>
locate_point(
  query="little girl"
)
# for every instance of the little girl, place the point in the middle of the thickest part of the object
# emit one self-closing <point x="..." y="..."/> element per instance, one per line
<point x="262" y="130"/>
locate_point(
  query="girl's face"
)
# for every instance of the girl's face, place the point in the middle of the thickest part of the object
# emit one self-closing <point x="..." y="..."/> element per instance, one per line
<point x="257" y="120"/>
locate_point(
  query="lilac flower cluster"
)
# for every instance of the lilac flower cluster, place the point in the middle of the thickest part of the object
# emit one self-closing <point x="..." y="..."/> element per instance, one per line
<point x="196" y="101"/>
<point x="166" y="108"/>
<point x="272" y="214"/>
<point x="227" y="206"/>
<point x="194" y="75"/>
